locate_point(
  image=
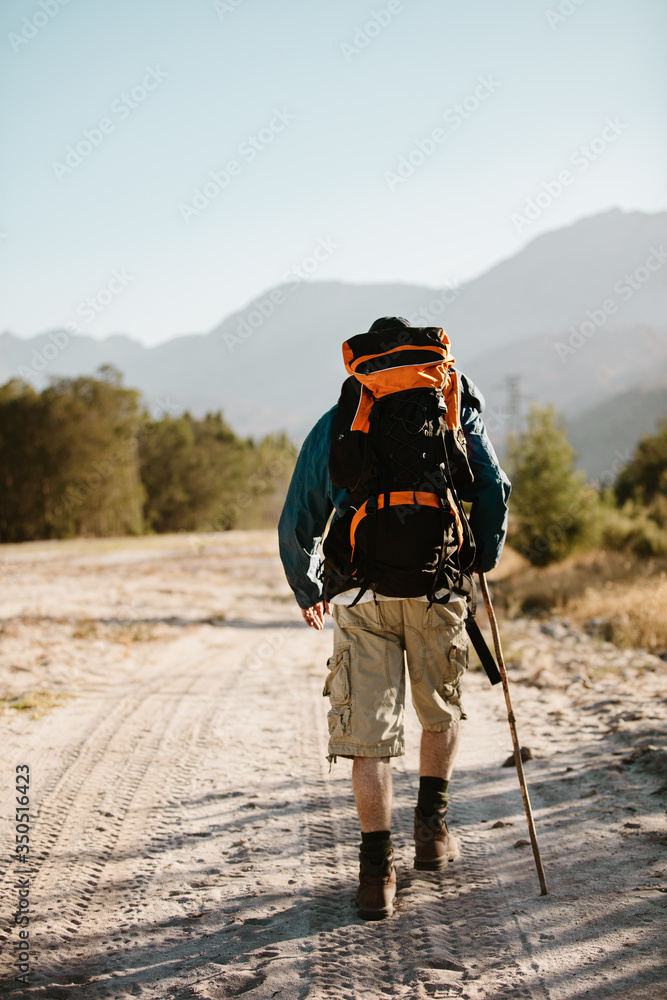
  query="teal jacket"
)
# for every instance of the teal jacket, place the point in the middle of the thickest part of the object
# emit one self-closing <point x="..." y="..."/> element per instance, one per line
<point x="312" y="497"/>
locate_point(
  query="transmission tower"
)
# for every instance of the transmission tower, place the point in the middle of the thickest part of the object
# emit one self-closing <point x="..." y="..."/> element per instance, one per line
<point x="515" y="399"/>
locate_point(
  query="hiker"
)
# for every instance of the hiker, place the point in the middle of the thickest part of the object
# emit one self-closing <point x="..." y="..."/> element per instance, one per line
<point x="382" y="477"/>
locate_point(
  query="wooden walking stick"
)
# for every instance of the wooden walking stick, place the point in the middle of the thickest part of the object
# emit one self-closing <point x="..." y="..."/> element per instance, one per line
<point x="515" y="738"/>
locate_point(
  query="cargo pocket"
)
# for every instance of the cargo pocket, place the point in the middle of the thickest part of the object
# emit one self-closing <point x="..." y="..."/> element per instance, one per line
<point x="337" y="688"/>
<point x="456" y="665"/>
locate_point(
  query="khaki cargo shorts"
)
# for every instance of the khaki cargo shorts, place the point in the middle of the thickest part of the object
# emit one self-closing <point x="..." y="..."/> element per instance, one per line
<point x="366" y="681"/>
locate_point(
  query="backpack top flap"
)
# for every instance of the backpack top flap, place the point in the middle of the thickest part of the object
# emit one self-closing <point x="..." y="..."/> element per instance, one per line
<point x="392" y="362"/>
<point x="387" y="361"/>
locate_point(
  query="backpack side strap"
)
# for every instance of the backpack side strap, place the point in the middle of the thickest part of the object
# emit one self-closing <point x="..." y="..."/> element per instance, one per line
<point x="482" y="650"/>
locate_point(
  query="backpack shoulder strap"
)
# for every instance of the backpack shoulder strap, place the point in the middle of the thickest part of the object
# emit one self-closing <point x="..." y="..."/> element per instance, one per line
<point x="451" y="393"/>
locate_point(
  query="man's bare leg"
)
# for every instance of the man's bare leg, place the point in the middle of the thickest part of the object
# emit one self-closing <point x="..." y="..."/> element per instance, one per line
<point x="435" y="846"/>
<point x="371" y="782"/>
<point x="438" y="752"/>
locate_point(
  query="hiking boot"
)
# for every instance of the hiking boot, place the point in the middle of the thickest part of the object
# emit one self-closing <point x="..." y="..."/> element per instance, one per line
<point x="435" y="846"/>
<point x="377" y="888"/>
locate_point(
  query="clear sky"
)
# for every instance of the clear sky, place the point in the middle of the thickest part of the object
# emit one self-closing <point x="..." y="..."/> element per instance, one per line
<point x="315" y="102"/>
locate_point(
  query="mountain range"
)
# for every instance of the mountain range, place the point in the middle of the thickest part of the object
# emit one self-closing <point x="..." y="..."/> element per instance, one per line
<point x="577" y="318"/>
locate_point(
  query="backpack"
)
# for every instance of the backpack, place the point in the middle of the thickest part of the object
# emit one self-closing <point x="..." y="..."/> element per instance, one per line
<point x="399" y="450"/>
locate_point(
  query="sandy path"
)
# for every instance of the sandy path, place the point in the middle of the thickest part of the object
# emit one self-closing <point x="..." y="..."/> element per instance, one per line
<point x="188" y="841"/>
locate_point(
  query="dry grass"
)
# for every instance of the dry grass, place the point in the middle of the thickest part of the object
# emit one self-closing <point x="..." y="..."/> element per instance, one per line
<point x="629" y="614"/>
<point x="86" y="628"/>
<point x="124" y="632"/>
<point x="37" y="703"/>
<point x="617" y="596"/>
<point x="129" y="632"/>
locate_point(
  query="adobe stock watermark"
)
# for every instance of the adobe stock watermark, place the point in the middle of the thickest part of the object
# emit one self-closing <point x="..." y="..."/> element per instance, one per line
<point x="430" y="312"/>
<point x="32" y="25"/>
<point x="581" y="159"/>
<point x="121" y="108"/>
<point x="564" y="10"/>
<point x="263" y="308"/>
<point x="248" y="150"/>
<point x="263" y="655"/>
<point x="366" y="33"/>
<point x="258" y="483"/>
<point x="225" y="7"/>
<point x="625" y="288"/>
<point x="88" y="309"/>
<point x="496" y="421"/>
<point x="22" y="947"/>
<point x="453" y="117"/>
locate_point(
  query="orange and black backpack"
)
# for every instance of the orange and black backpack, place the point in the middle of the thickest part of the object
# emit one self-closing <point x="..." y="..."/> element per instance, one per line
<point x="399" y="450"/>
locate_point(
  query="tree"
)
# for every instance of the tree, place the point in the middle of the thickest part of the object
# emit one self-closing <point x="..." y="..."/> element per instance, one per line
<point x="25" y="463"/>
<point x="189" y="467"/>
<point x="68" y="459"/>
<point x="641" y="494"/>
<point x="271" y="462"/>
<point x="550" y="503"/>
<point x="645" y="478"/>
<point x="94" y="487"/>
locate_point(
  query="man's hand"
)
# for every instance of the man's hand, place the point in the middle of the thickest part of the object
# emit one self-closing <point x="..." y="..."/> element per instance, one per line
<point x="315" y="616"/>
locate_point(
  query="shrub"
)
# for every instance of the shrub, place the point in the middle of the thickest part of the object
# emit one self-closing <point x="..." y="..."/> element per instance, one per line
<point x="552" y="510"/>
<point x="632" y="528"/>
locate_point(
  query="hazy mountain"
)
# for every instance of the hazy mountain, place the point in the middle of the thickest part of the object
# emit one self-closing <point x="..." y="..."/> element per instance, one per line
<point x="609" y="363"/>
<point x="552" y="283"/>
<point x="606" y="435"/>
<point x="277" y="363"/>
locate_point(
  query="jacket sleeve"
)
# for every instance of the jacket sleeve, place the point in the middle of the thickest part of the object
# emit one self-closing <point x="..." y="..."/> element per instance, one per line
<point x="491" y="488"/>
<point x="306" y="511"/>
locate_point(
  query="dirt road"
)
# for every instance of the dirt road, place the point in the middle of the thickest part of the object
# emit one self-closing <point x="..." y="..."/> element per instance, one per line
<point x="187" y="840"/>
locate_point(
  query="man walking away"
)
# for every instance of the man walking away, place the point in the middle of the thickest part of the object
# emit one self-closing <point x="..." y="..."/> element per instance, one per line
<point x="382" y="477"/>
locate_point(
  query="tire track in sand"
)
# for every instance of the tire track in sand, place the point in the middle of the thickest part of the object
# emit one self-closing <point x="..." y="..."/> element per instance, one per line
<point x="78" y="762"/>
<point x="84" y="820"/>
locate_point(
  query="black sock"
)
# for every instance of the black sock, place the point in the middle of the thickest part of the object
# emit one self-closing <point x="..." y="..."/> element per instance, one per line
<point x="432" y="795"/>
<point x="376" y="846"/>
